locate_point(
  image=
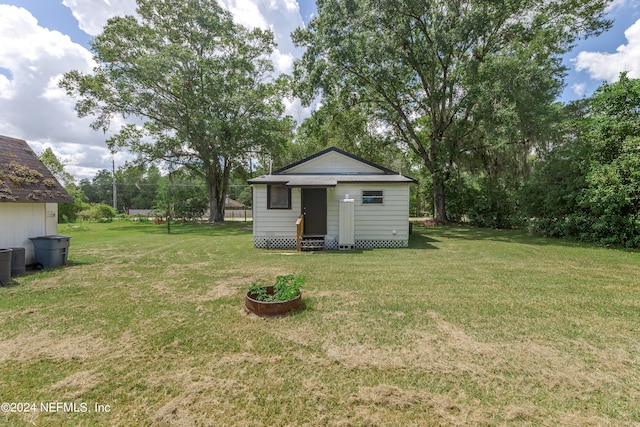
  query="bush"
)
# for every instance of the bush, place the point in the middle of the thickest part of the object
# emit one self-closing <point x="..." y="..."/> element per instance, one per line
<point x="460" y="194"/>
<point x="495" y="206"/>
<point x="99" y="212"/>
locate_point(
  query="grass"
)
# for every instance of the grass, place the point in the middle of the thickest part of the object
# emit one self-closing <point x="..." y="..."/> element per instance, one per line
<point x="466" y="326"/>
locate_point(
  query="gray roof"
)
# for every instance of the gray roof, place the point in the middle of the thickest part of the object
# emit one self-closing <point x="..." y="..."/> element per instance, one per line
<point x="24" y="178"/>
<point x="281" y="176"/>
<point x="328" y="180"/>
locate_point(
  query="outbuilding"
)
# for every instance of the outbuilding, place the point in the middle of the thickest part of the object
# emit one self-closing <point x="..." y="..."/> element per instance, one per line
<point x="331" y="200"/>
<point x="29" y="197"/>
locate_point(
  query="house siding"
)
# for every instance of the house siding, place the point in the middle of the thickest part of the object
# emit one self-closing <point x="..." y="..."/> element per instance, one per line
<point x="384" y="224"/>
<point x="374" y="224"/>
<point x="51" y="218"/>
<point x="19" y="221"/>
<point x="374" y="221"/>
<point x="333" y="163"/>
<point x="274" y="223"/>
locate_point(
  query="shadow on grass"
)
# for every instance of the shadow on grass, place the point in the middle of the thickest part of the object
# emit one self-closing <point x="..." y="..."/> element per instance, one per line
<point x="308" y="305"/>
<point x="420" y="239"/>
<point x="35" y="269"/>
<point x="462" y="232"/>
<point x="11" y="284"/>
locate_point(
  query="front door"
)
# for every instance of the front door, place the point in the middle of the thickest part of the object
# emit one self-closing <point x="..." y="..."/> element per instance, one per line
<point x="314" y="209"/>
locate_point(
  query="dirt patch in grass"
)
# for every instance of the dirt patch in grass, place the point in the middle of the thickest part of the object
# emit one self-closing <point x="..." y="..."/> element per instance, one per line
<point x="383" y="400"/>
<point x="30" y="312"/>
<point x="387" y="395"/>
<point x="432" y="349"/>
<point x="342" y="295"/>
<point x="79" y="348"/>
<point x="457" y="338"/>
<point x="220" y="291"/>
<point x="77" y="384"/>
<point x="46" y="344"/>
<point x="198" y="397"/>
<point x="448" y="350"/>
<point x="177" y="411"/>
<point x="359" y="355"/>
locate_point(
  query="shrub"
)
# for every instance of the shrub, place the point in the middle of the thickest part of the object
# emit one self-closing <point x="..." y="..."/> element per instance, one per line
<point x="99" y="212"/>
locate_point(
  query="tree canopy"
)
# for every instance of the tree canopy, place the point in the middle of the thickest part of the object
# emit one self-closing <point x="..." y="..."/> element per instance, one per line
<point x="56" y="167"/>
<point x="589" y="186"/>
<point x="448" y="77"/>
<point x="194" y="89"/>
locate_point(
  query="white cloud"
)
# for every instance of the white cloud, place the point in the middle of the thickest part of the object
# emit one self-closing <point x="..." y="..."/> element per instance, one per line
<point x="33" y="58"/>
<point x="295" y="109"/>
<point x="53" y="91"/>
<point x="579" y="89"/>
<point x="280" y="16"/>
<point x="6" y="88"/>
<point x="33" y="107"/>
<point x="608" y="66"/>
<point x="92" y="15"/>
<point x="282" y="62"/>
<point x="622" y="5"/>
<point x="246" y="13"/>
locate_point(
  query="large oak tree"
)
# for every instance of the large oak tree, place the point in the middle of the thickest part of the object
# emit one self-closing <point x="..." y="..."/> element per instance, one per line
<point x="194" y="88"/>
<point x="447" y="76"/>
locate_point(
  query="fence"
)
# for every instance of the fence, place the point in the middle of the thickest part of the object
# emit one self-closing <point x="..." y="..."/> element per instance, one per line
<point x="238" y="215"/>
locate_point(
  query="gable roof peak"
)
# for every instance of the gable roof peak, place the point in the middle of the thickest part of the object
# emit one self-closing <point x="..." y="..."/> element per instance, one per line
<point x="381" y="169"/>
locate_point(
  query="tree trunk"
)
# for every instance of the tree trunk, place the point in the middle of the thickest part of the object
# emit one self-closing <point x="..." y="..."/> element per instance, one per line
<point x="440" y="213"/>
<point x="217" y="188"/>
<point x="437" y="176"/>
<point x="216" y="206"/>
<point x="430" y="157"/>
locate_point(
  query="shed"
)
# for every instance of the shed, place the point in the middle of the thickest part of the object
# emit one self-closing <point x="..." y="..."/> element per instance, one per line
<point x="29" y="197"/>
<point x="331" y="200"/>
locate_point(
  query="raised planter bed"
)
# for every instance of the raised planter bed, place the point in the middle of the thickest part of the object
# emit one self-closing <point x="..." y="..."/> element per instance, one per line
<point x="271" y="308"/>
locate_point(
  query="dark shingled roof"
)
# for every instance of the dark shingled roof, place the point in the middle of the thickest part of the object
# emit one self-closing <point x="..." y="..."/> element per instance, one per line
<point x="24" y="178"/>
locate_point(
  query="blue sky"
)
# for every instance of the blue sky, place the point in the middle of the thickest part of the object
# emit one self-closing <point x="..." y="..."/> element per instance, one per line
<point x="41" y="39"/>
<point x="587" y="70"/>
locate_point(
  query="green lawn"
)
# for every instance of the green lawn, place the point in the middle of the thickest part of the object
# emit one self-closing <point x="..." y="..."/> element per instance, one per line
<point x="464" y="327"/>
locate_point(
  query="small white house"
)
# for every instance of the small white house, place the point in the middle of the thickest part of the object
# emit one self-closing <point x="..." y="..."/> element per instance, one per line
<point x="29" y="197"/>
<point x="331" y="200"/>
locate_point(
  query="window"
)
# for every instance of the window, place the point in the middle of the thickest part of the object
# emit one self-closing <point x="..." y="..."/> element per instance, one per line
<point x="372" y="197"/>
<point x="278" y="197"/>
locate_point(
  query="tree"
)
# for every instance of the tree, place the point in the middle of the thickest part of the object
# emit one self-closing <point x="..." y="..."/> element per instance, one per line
<point x="100" y="188"/>
<point x="56" y="167"/>
<point x="137" y="185"/>
<point x="350" y="129"/>
<point x="66" y="211"/>
<point x="612" y="194"/>
<point x="588" y="187"/>
<point x="200" y="85"/>
<point x="189" y="197"/>
<point x="442" y="73"/>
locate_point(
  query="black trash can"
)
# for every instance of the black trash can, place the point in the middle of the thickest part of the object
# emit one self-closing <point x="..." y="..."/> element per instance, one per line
<point x="52" y="250"/>
<point x="18" y="264"/>
<point x="5" y="266"/>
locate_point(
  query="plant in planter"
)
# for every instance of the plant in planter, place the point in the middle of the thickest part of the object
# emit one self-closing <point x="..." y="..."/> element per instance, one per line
<point x="282" y="297"/>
